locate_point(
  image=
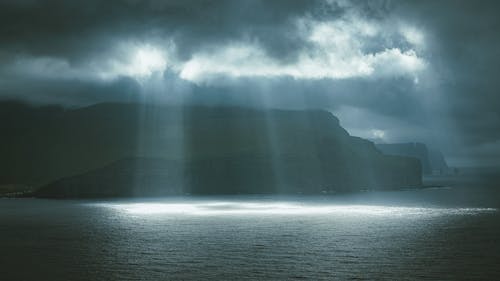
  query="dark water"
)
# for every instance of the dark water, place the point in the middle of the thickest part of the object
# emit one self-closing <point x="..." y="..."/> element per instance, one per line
<point x="433" y="234"/>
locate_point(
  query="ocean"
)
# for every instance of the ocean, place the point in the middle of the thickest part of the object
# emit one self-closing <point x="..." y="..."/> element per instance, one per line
<point x="427" y="234"/>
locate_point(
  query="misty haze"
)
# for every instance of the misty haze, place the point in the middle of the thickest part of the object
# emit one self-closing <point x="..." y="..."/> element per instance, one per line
<point x="249" y="140"/>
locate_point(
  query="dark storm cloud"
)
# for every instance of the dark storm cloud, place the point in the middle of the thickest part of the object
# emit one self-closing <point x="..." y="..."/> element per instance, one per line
<point x="465" y="49"/>
<point x="70" y="92"/>
<point x="78" y="29"/>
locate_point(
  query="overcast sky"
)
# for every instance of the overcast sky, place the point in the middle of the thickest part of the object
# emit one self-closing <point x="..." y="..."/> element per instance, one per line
<point x="392" y="71"/>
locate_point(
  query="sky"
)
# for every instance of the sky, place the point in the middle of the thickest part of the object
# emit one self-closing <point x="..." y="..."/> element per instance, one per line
<point x="392" y="71"/>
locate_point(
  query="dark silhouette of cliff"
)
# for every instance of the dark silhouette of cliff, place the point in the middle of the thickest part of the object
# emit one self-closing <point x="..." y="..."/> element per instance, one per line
<point x="109" y="150"/>
<point x="432" y="160"/>
<point x="438" y="162"/>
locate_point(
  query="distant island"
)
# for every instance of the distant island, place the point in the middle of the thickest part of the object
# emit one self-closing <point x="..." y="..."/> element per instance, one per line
<point x="127" y="150"/>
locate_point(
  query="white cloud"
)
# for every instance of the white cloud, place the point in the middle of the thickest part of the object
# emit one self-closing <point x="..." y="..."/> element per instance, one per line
<point x="412" y="35"/>
<point x="44" y="67"/>
<point x="236" y="60"/>
<point x="350" y="47"/>
<point x="377" y="134"/>
<point x="142" y="61"/>
<point x="337" y="51"/>
<point x="138" y="61"/>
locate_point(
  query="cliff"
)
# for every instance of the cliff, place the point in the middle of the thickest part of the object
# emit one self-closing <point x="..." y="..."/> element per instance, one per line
<point x="432" y="160"/>
<point x="110" y="150"/>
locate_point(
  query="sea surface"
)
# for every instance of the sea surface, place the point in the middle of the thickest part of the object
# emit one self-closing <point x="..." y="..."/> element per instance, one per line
<point x="428" y="234"/>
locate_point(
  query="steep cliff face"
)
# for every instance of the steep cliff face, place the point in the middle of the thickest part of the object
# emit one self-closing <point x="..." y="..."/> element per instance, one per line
<point x="432" y="160"/>
<point x="123" y="178"/>
<point x="411" y="149"/>
<point x="438" y="162"/>
<point x="199" y="150"/>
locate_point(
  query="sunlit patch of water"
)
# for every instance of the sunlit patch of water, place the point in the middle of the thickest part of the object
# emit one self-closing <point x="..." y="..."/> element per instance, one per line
<point x="216" y="208"/>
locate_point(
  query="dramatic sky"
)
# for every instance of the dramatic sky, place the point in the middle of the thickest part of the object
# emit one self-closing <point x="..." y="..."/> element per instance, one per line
<point x="391" y="71"/>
